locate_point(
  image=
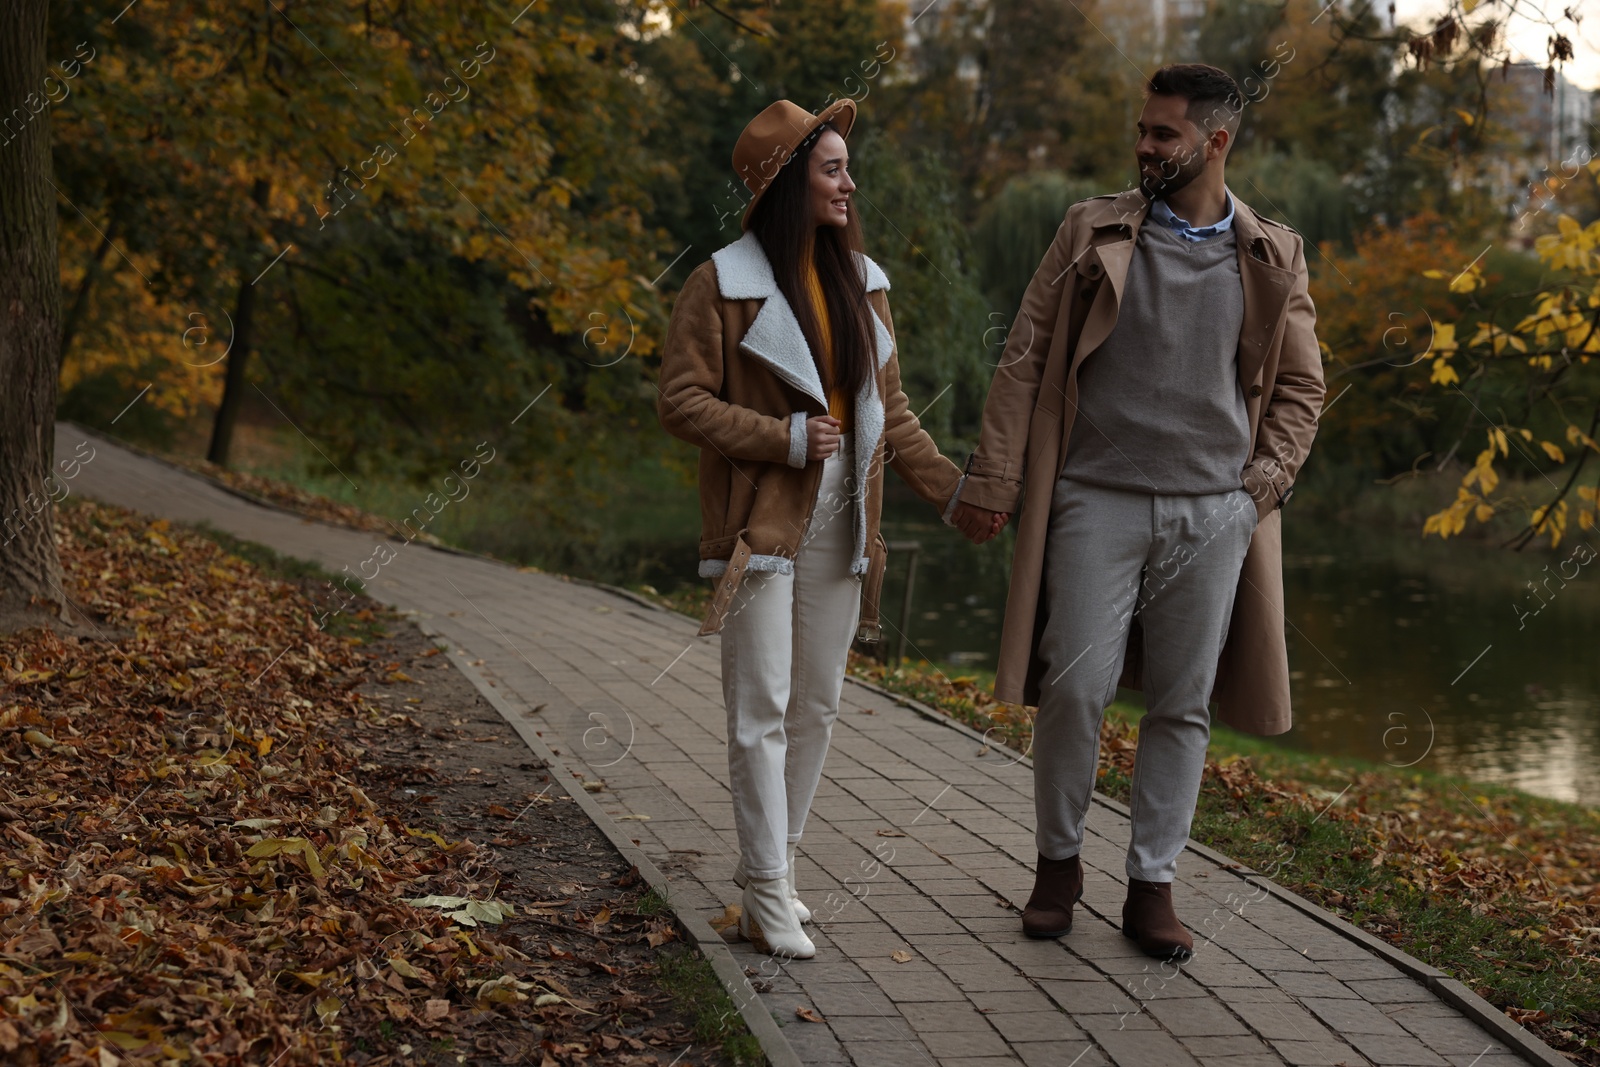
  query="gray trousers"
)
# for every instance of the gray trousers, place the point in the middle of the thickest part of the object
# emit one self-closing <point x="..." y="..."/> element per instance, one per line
<point x="1176" y="559"/>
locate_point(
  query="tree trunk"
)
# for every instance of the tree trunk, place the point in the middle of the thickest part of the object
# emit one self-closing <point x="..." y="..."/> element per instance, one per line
<point x="30" y="315"/>
<point x="238" y="356"/>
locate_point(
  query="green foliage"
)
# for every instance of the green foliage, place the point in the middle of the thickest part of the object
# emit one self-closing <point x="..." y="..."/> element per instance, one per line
<point x="939" y="312"/>
<point x="1015" y="229"/>
<point x="1298" y="190"/>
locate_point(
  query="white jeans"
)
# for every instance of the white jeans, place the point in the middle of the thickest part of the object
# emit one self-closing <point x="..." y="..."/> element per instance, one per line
<point x="785" y="643"/>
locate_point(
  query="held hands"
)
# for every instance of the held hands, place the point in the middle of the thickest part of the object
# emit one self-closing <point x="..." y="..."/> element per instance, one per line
<point x="822" y="437"/>
<point x="979" y="524"/>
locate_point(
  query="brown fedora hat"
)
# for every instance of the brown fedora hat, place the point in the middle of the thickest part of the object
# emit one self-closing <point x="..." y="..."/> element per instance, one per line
<point x="771" y="138"/>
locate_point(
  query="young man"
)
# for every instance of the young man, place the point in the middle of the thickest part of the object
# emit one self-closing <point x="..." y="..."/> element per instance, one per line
<point x="1158" y="394"/>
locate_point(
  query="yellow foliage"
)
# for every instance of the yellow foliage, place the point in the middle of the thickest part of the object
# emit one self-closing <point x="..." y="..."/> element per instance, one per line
<point x="1498" y="339"/>
<point x="1444" y="337"/>
<point x="1577" y="436"/>
<point x="1543" y="520"/>
<point x="138" y="340"/>
<point x="1483" y="473"/>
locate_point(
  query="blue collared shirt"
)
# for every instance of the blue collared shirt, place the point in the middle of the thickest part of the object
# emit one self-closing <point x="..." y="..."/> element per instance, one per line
<point x="1162" y="213"/>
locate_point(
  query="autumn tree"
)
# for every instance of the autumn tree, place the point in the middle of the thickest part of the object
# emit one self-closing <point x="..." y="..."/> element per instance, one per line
<point x="30" y="310"/>
<point x="264" y="166"/>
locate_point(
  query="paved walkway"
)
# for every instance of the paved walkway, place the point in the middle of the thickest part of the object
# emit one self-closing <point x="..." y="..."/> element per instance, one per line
<point x="924" y="839"/>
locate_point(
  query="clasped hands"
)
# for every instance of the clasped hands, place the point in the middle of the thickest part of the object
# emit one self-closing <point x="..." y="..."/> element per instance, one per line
<point x="977" y="523"/>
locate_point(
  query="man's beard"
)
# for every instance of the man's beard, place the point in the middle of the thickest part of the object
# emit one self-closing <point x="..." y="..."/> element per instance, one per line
<point x="1171" y="176"/>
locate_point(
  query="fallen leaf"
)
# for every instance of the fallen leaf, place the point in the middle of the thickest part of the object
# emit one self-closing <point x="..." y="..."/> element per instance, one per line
<point x="805" y="1014"/>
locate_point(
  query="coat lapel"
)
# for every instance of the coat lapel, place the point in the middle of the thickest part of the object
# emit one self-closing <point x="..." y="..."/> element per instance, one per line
<point x="1266" y="293"/>
<point x="774" y="336"/>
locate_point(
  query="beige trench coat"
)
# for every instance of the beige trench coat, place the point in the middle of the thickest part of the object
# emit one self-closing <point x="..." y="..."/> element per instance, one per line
<point x="1068" y="310"/>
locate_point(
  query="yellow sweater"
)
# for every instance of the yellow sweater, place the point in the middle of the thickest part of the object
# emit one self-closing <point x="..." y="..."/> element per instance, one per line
<point x="838" y="403"/>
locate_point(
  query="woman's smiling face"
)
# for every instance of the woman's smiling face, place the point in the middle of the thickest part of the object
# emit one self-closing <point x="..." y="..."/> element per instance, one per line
<point x="830" y="180"/>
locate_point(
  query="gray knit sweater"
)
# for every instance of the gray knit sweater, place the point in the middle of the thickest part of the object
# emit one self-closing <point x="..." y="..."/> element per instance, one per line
<point x="1160" y="408"/>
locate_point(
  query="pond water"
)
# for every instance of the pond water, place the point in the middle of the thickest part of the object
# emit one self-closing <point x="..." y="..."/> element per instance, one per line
<point x="1401" y="651"/>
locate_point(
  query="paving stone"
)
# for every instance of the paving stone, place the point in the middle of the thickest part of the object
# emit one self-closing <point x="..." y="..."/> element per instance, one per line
<point x="1391" y="990"/>
<point x="1319" y="1054"/>
<point x="980" y="980"/>
<point x="1195" y="1017"/>
<point x="1216" y="974"/>
<point x="1369" y="967"/>
<point x="1160" y="983"/>
<point x="1348" y="1017"/>
<point x="1089" y="998"/>
<point x="815" y="1044"/>
<point x="1144" y="1048"/>
<point x="983" y="906"/>
<point x="1400" y="1050"/>
<point x="940" y="1017"/>
<point x="904" y="1053"/>
<point x="1023" y="1026"/>
<point x="1218" y="1048"/>
<point x="1264" y="1059"/>
<point x="1278" y="959"/>
<point x="1301" y="984"/>
<point x="954" y="1043"/>
<point x="1060" y="1054"/>
<point x="996" y="1003"/>
<point x="1286" y="1022"/>
<point x="848" y="998"/>
<point x="1097" y="1026"/>
<point x="1268" y="994"/>
<point x="867" y="1027"/>
<point x="1447" y="1035"/>
<point x="919" y="988"/>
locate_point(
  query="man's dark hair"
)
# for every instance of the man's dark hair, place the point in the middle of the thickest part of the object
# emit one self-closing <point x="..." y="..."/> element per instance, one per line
<point x="1215" y="101"/>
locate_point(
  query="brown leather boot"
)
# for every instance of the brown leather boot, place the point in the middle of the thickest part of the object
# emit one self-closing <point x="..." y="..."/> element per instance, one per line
<point x="1148" y="918"/>
<point x="1057" y="885"/>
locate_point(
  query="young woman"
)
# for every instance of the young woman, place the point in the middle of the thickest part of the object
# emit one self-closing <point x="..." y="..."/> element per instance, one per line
<point x="780" y="363"/>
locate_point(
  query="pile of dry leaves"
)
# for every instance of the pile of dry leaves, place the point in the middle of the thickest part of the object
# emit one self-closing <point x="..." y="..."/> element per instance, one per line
<point x="190" y="869"/>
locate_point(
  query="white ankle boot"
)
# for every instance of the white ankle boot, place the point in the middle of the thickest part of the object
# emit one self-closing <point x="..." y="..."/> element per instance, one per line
<point x="801" y="912"/>
<point x="768" y="922"/>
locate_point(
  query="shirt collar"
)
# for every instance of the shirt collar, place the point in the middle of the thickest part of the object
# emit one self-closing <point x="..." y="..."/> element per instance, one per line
<point x="1162" y="213"/>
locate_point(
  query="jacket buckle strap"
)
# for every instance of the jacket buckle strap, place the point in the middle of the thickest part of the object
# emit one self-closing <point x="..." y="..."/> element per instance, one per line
<point x="869" y="628"/>
<point x="727" y="586"/>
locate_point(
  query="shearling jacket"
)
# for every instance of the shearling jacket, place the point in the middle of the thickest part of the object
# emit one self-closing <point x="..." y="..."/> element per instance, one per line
<point x="738" y="380"/>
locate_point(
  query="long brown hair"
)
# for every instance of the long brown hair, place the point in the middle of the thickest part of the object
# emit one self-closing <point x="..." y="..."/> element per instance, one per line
<point x="781" y="221"/>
